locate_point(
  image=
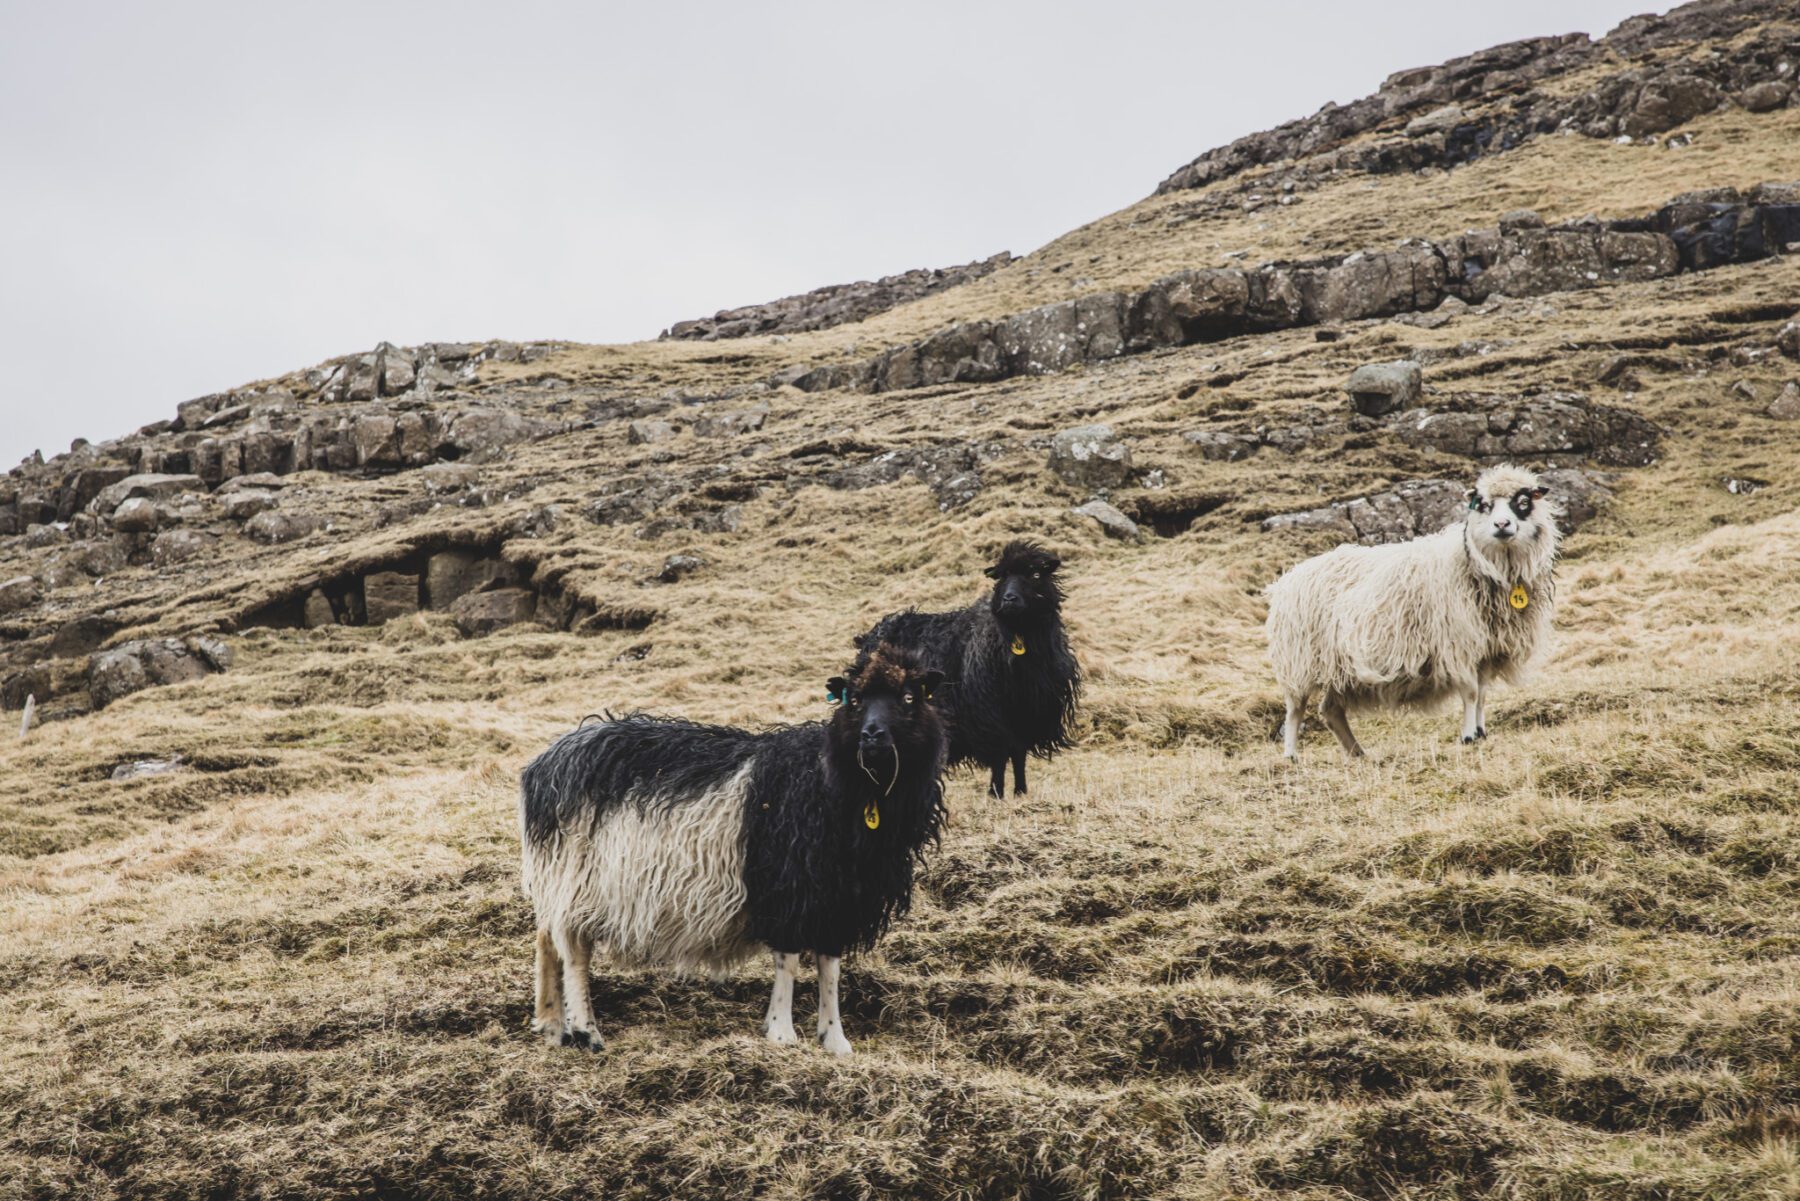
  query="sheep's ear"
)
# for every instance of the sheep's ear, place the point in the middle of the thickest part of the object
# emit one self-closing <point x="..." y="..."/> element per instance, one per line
<point x="928" y="682"/>
<point x="1473" y="497"/>
<point x="1539" y="492"/>
<point x="836" y="689"/>
<point x="1052" y="563"/>
<point x="992" y="573"/>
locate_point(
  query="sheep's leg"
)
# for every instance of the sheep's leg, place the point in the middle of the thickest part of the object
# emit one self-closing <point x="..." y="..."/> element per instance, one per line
<point x="997" y="779"/>
<point x="1481" y="686"/>
<point x="1018" y="773"/>
<point x="578" y="1011"/>
<point x="549" y="1019"/>
<point x="831" y="1026"/>
<point x="1471" y="727"/>
<point x="1332" y="710"/>
<point x="1291" y="725"/>
<point x="778" y="1025"/>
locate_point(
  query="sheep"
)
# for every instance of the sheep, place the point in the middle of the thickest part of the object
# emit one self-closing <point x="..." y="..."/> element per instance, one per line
<point x="1419" y="622"/>
<point x="665" y="842"/>
<point x="1014" y="681"/>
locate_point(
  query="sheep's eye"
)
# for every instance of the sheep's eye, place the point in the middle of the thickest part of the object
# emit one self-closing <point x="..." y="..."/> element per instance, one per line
<point x="908" y="698"/>
<point x="1037" y="575"/>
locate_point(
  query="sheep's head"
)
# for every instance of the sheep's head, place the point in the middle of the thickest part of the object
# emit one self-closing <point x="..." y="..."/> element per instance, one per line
<point x="1025" y="585"/>
<point x="885" y="709"/>
<point x="1506" y="514"/>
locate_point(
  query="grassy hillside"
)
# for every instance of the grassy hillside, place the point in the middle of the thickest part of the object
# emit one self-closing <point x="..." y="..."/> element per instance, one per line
<point x="1564" y="963"/>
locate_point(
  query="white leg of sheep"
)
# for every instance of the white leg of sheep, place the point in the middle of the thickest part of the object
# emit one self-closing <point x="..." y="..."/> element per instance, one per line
<point x="549" y="1019"/>
<point x="1292" y="725"/>
<point x="1481" y="687"/>
<point x="778" y="1026"/>
<point x="1471" y="699"/>
<point x="578" y="1011"/>
<point x="831" y="1027"/>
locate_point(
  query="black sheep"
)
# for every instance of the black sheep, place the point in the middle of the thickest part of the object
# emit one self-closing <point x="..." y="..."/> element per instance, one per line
<point x="668" y="842"/>
<point x="1014" y="682"/>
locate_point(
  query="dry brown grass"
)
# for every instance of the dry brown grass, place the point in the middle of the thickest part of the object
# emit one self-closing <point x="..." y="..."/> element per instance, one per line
<point x="1565" y="964"/>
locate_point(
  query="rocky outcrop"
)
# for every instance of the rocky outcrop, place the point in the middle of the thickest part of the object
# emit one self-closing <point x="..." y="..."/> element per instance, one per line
<point x="1519" y="258"/>
<point x="1536" y="428"/>
<point x="1109" y="519"/>
<point x="134" y="666"/>
<point x="1498" y="99"/>
<point x="839" y="304"/>
<point x="1379" y="388"/>
<point x="1091" y="456"/>
<point x="1426" y="506"/>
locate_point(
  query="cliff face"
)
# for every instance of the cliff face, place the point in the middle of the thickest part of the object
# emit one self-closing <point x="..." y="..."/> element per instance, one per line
<point x="286" y="648"/>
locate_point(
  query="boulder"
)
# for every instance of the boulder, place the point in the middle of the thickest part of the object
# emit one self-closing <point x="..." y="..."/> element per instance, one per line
<point x="676" y="567"/>
<point x="645" y="432"/>
<point x="481" y="613"/>
<point x="149" y="486"/>
<point x="1765" y="96"/>
<point x="397" y="372"/>
<point x="1223" y="447"/>
<point x="20" y="592"/>
<point x="1378" y="388"/>
<point x="1671" y="100"/>
<point x="133" y="666"/>
<point x="82" y="635"/>
<point x="275" y="526"/>
<point x="1535" y="427"/>
<point x="1438" y="120"/>
<point x="247" y="503"/>
<point x="1113" y="522"/>
<point x="453" y="574"/>
<point x="730" y="425"/>
<point x="1787" y="339"/>
<point x="38" y="536"/>
<point x="318" y="611"/>
<point x="178" y="546"/>
<point x="390" y="594"/>
<point x="1520" y="219"/>
<point x="1091" y="456"/>
<point x="1785" y="407"/>
<point x="135" y="516"/>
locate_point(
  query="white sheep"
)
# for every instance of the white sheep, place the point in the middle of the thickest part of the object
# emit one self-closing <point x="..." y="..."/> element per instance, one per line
<point x="1419" y="622"/>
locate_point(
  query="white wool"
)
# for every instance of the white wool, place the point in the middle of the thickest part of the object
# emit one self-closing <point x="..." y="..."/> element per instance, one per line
<point x="653" y="883"/>
<point x="1418" y="622"/>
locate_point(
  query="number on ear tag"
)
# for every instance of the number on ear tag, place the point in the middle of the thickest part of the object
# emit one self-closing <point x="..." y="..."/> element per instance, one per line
<point x="871" y="816"/>
<point x="1519" y="598"/>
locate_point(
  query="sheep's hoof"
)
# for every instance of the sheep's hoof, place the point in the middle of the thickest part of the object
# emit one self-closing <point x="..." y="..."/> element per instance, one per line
<point x="782" y="1035"/>
<point x="587" y="1040"/>
<point x="1469" y="739"/>
<point x="834" y="1042"/>
<point x="1480" y="732"/>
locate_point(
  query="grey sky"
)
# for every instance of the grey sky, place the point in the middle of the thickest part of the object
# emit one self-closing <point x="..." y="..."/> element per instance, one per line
<point x="196" y="195"/>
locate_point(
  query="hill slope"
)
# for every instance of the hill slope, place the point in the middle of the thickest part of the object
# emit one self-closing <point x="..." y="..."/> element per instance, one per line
<point x="354" y="599"/>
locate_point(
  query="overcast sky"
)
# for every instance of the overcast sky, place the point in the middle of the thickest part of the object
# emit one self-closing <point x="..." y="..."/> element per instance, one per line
<point x="193" y="196"/>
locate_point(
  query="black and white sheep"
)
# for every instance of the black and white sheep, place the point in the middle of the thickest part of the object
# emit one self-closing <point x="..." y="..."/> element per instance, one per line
<point x="665" y="842"/>
<point x="1014" y="681"/>
<point x="1421" y="622"/>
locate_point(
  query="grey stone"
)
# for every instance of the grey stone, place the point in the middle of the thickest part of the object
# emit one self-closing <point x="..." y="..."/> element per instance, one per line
<point x="247" y="503"/>
<point x="1113" y="522"/>
<point x="453" y="574"/>
<point x="1223" y="447"/>
<point x="1518" y="219"/>
<point x="1671" y="100"/>
<point x="645" y="432"/>
<point x="1786" y="407"/>
<point x="396" y="370"/>
<point x="481" y="613"/>
<point x="1787" y="339"/>
<point x="1091" y="456"/>
<point x="318" y="611"/>
<point x="1765" y="96"/>
<point x="150" y="486"/>
<point x="133" y="666"/>
<point x="178" y="546"/>
<point x="729" y="425"/>
<point x="1438" y="120"/>
<point x="147" y="767"/>
<point x="1378" y="388"/>
<point x="20" y="592"/>
<point x="1536" y="427"/>
<point x="260" y="480"/>
<point x="676" y="567"/>
<point x="39" y="536"/>
<point x="275" y="526"/>
<point x="389" y="594"/>
<point x="135" y="516"/>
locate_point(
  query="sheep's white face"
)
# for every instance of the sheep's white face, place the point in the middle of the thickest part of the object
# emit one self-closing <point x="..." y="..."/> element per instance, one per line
<point x="1502" y="522"/>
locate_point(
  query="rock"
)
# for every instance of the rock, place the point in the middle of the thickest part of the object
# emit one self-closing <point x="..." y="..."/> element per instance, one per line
<point x="1223" y="447"/>
<point x="1425" y="506"/>
<point x="39" y="536"/>
<point x="20" y="592"/>
<point x="1520" y="219"/>
<point x="390" y="594"/>
<point x="1091" y="456"/>
<point x="149" y="486"/>
<point x="1553" y="424"/>
<point x="729" y="425"/>
<point x="226" y="416"/>
<point x="1671" y="100"/>
<point x="135" y="516"/>
<point x="133" y="666"/>
<point x="147" y="767"/>
<point x="449" y="477"/>
<point x="1785" y="407"/>
<point x="1577" y="496"/>
<point x="1378" y="388"/>
<point x="396" y="370"/>
<point x="179" y="546"/>
<point x="676" y="567"/>
<point x="257" y="480"/>
<point x="1113" y="522"/>
<point x="1787" y="339"/>
<point x="82" y="635"/>
<point x="483" y="432"/>
<point x="481" y="613"/>
<point x="644" y="432"/>
<point x="247" y="503"/>
<point x="453" y="574"/>
<point x="1763" y="97"/>
<point x="318" y="611"/>
<point x="274" y="526"/>
<point x="1438" y="120"/>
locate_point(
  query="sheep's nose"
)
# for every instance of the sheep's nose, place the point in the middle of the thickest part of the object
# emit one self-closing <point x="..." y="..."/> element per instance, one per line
<point x="1012" y="600"/>
<point x="874" y="733"/>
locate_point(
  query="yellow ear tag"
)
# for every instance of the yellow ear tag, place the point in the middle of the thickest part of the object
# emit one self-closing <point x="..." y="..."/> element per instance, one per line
<point x="1018" y="646"/>
<point x="871" y="815"/>
<point x="1519" y="598"/>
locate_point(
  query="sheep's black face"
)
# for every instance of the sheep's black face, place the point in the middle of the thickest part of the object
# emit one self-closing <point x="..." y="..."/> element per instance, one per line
<point x="886" y="713"/>
<point x="1025" y="585"/>
<point x="1504" y="512"/>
